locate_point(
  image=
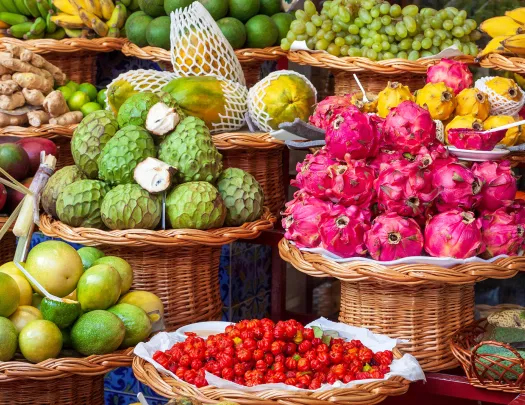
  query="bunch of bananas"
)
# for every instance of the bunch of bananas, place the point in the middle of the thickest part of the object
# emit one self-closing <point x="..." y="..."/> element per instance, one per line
<point x="507" y="33"/>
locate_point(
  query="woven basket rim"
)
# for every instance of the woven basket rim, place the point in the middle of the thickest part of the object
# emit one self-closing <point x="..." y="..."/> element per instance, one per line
<point x="45" y="131"/>
<point x="64" y="367"/>
<point x="361" y="64"/>
<point x="246" y="140"/>
<point x="143" y="237"/>
<point x="67" y="45"/>
<point x="497" y="61"/>
<point x="316" y="265"/>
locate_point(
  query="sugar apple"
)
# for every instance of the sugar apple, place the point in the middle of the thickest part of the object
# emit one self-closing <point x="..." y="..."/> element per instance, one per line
<point x="79" y="203"/>
<point x="56" y="184"/>
<point x="195" y="205"/>
<point x="91" y="135"/>
<point x="130" y="146"/>
<point x="191" y="151"/>
<point x="242" y="195"/>
<point x="129" y="206"/>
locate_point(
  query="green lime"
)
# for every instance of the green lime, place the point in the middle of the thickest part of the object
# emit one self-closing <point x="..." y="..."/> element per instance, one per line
<point x="89" y="255"/>
<point x="89" y="89"/>
<point x="10" y="295"/>
<point x="217" y="8"/>
<point x="61" y="313"/>
<point x="72" y="85"/>
<point x="8" y="339"/>
<point x="158" y="32"/>
<point x="244" y="9"/>
<point x="40" y="340"/>
<point x="77" y="100"/>
<point x="261" y="32"/>
<point x="97" y="332"/>
<point x="23" y="315"/>
<point x="66" y="91"/>
<point x="136" y="321"/>
<point x="172" y="5"/>
<point x="149" y="302"/>
<point x="234" y="31"/>
<point x="283" y="22"/>
<point x="101" y="98"/>
<point x="124" y="270"/>
<point x="132" y="16"/>
<point x="98" y="288"/>
<point x="270" y="7"/>
<point x="88" y="108"/>
<point x="153" y="8"/>
<point x="136" y="31"/>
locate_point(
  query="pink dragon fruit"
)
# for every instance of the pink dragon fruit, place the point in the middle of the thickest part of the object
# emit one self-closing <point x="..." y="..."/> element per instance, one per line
<point x="352" y="183"/>
<point x="502" y="234"/>
<point x="500" y="185"/>
<point x="343" y="231"/>
<point x="301" y="220"/>
<point x="313" y="175"/>
<point x="441" y="156"/>
<point x="405" y="189"/>
<point x="384" y="158"/>
<point x="392" y="237"/>
<point x="454" y="234"/>
<point x="325" y="109"/>
<point x="458" y="188"/>
<point x="351" y="133"/>
<point x="472" y="139"/>
<point x="455" y="75"/>
<point x="518" y="207"/>
<point x="408" y="127"/>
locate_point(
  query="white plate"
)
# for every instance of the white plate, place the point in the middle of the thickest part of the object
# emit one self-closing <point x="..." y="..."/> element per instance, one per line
<point x="478" y="155"/>
<point x="203" y="329"/>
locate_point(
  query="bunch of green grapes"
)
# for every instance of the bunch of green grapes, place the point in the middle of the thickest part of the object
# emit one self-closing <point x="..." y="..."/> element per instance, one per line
<point x="377" y="30"/>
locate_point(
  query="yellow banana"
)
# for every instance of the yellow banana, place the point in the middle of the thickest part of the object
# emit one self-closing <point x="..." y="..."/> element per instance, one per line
<point x="494" y="46"/>
<point x="73" y="33"/>
<point x="515" y="44"/>
<point x="517" y="14"/>
<point x="93" y="6"/>
<point x="118" y="18"/>
<point x="65" y="6"/>
<point x="68" y="21"/>
<point x="86" y="17"/>
<point x="503" y="25"/>
<point x="107" y="8"/>
<point x="100" y="27"/>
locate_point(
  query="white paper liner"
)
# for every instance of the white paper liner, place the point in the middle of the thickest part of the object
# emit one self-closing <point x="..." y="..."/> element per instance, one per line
<point x="499" y="105"/>
<point x="406" y="367"/>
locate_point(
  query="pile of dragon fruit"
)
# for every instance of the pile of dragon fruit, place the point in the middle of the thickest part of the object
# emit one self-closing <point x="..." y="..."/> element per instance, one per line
<point x="389" y="189"/>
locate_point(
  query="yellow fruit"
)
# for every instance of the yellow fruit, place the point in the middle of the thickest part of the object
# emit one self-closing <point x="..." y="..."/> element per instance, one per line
<point x="463" y="121"/>
<point x="23" y="315"/>
<point x="118" y="92"/>
<point x="367" y="107"/>
<point x="26" y="292"/>
<point x="438" y="99"/>
<point x="500" y="25"/>
<point x="518" y="14"/>
<point x="512" y="135"/>
<point x="393" y="95"/>
<point x="505" y="87"/>
<point x="149" y="302"/>
<point x="10" y="295"/>
<point x="473" y="102"/>
<point x="40" y="340"/>
<point x="11" y="269"/>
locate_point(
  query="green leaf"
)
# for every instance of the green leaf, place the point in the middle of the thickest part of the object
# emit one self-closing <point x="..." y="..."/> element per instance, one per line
<point x="318" y="332"/>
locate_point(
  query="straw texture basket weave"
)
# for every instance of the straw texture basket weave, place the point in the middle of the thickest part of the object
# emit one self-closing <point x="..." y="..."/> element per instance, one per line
<point x="344" y="82"/>
<point x="364" y="394"/>
<point x="7" y="244"/>
<point x="503" y="62"/>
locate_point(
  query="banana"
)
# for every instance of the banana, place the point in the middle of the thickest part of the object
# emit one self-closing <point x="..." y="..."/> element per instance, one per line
<point x="60" y="33"/>
<point x="100" y="27"/>
<point x="78" y="4"/>
<point x="518" y="14"/>
<point x="38" y="27"/>
<point x="118" y="18"/>
<point x="113" y="33"/>
<point x="13" y="19"/>
<point x="51" y="27"/>
<point x="29" y="35"/>
<point x="494" y="46"/>
<point x="503" y="25"/>
<point x="86" y="17"/>
<point x="94" y="7"/>
<point x="73" y="33"/>
<point x="19" y="30"/>
<point x="33" y="8"/>
<point x="107" y="8"/>
<point x="43" y="8"/>
<point x="3" y="25"/>
<point x="10" y="6"/>
<point x="515" y="44"/>
<point x="68" y="21"/>
<point x="65" y="6"/>
<point x="20" y="5"/>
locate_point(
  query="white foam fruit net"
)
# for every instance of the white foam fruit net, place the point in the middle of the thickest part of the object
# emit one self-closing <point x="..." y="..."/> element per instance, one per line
<point x="235" y="106"/>
<point x="440" y="131"/>
<point x="199" y="48"/>
<point x="256" y="105"/>
<point x="499" y="105"/>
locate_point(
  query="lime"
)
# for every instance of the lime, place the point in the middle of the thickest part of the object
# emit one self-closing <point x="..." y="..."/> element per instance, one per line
<point x="26" y="292"/>
<point x="66" y="91"/>
<point x="234" y="31"/>
<point x="101" y="98"/>
<point x="153" y="8"/>
<point x="10" y="294"/>
<point x="172" y="5"/>
<point x="97" y="332"/>
<point x="8" y="339"/>
<point x="61" y="313"/>
<point x="217" y="8"/>
<point x="136" y="321"/>
<point x="136" y="32"/>
<point x="138" y="13"/>
<point x="261" y="32"/>
<point x="149" y="302"/>
<point x="158" y="32"/>
<point x="77" y="100"/>
<point x="244" y="9"/>
<point x="66" y="338"/>
<point x="23" y="315"/>
<point x="40" y="340"/>
<point x="73" y="85"/>
<point x="37" y="299"/>
<point x="124" y="270"/>
<point x="88" y="108"/>
<point x="11" y="269"/>
<point x="89" y="89"/>
<point x="283" y="21"/>
<point x="89" y="255"/>
<point x="99" y="287"/>
<point x="270" y="7"/>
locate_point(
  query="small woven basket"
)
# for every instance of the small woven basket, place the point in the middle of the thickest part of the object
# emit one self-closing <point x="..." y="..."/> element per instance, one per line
<point x="62" y="381"/>
<point x="364" y="394"/>
<point x="344" y="82"/>
<point x="503" y="62"/>
<point x="424" y="304"/>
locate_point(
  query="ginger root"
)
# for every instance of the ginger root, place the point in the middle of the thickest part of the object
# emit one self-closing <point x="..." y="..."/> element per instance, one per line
<point x="4" y="71"/>
<point x="70" y="118"/>
<point x="16" y="120"/>
<point x="38" y="61"/>
<point x="55" y="104"/>
<point x="12" y="101"/>
<point x="38" y="118"/>
<point x="8" y="87"/>
<point x="33" y="81"/>
<point x="6" y="77"/>
<point x="14" y="50"/>
<point x="33" y="97"/>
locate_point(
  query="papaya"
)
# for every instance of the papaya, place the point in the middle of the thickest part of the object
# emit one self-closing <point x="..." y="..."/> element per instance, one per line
<point x="117" y="93"/>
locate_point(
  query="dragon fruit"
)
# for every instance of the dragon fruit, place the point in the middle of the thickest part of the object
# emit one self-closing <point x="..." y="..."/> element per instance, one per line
<point x="472" y="139"/>
<point x="343" y="231"/>
<point x="301" y="220"/>
<point x="352" y="183"/>
<point x="440" y="156"/>
<point x="325" y="109"/>
<point x="458" y="187"/>
<point x="392" y="237"/>
<point x="454" y="234"/>
<point x="502" y="234"/>
<point x="353" y="134"/>
<point x="518" y="207"/>
<point x="408" y="127"/>
<point x="313" y="175"/>
<point x="384" y="158"/>
<point x="455" y="75"/>
<point x="405" y="189"/>
<point x="500" y="185"/>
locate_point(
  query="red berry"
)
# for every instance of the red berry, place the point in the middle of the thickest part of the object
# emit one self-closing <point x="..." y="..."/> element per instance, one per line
<point x="305" y="346"/>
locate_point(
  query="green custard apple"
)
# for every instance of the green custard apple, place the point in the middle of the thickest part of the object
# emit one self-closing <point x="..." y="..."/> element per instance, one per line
<point x="56" y="183"/>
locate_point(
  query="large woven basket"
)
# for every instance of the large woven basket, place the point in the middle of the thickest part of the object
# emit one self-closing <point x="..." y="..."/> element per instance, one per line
<point x="364" y="394"/>
<point x="423" y="304"/>
<point x="7" y="244"/>
<point x="344" y="82"/>
<point x="181" y="266"/>
<point x="62" y="381"/>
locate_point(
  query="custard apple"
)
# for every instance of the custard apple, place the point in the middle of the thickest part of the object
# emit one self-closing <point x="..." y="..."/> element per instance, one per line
<point x="242" y="195"/>
<point x="91" y="135"/>
<point x="56" y="184"/>
<point x="195" y="205"/>
<point x="130" y="146"/>
<point x="191" y="151"/>
<point x="79" y="203"/>
<point x="129" y="206"/>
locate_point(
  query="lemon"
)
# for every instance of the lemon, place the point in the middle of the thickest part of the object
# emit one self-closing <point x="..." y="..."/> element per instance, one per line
<point x="89" y="256"/>
<point x="8" y="339"/>
<point x="149" y="302"/>
<point x="40" y="340"/>
<point x="11" y="269"/>
<point x="77" y="100"/>
<point x="23" y="315"/>
<point x="10" y="295"/>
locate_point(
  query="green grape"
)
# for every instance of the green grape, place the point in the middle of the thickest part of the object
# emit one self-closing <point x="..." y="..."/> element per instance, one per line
<point x="458" y="21"/>
<point x="344" y="50"/>
<point x="327" y="25"/>
<point x="463" y="14"/>
<point x="377" y="47"/>
<point x="367" y="42"/>
<point x="448" y="25"/>
<point x="317" y="20"/>
<point x="291" y="36"/>
<point x="349" y="40"/>
<point x="434" y="50"/>
<point x="429" y="33"/>
<point x="416" y="45"/>
<point x="466" y="29"/>
<point x="473" y="48"/>
<point x="377" y="38"/>
<point x="332" y="12"/>
<point x="458" y="32"/>
<point x="371" y="54"/>
<point x="384" y="37"/>
<point x="320" y="34"/>
<point x="376" y="24"/>
<point x="452" y="10"/>
<point x="375" y="12"/>
<point x="302" y="37"/>
<point x="419" y="19"/>
<point x="426" y="43"/>
<point x="298" y="27"/>
<point x="310" y="43"/>
<point x="311" y="29"/>
<point x="380" y="56"/>
<point x="448" y="42"/>
<point x="384" y="8"/>
<point x="321" y="45"/>
<point x="405" y="44"/>
<point x="344" y="14"/>
<point x="353" y="29"/>
<point x="333" y="49"/>
<point x="450" y="15"/>
<point x="382" y="30"/>
<point x="301" y="15"/>
<point x="395" y="10"/>
<point x="398" y="38"/>
<point x="364" y="50"/>
<point x="363" y="32"/>
<point x="457" y="42"/>
<point x="419" y="37"/>
<point x="354" y="52"/>
<point x="336" y="28"/>
<point x="426" y="54"/>
<point x="401" y="29"/>
<point x="309" y="7"/>
<point x="367" y="4"/>
<point x="475" y="35"/>
<point x="442" y="15"/>
<point x="441" y="34"/>
<point x="428" y="12"/>
<point x="391" y="39"/>
<point x="425" y="26"/>
<point x="357" y="38"/>
<point x="285" y="44"/>
<point x="390" y="30"/>
<point x="471" y="23"/>
<point x="329" y="36"/>
<point x="413" y="55"/>
<point x="365" y="16"/>
<point x="436" y="41"/>
<point x="339" y="41"/>
<point x="344" y="26"/>
<point x="385" y="45"/>
<point x="410" y="24"/>
<point x="394" y="48"/>
<point x="386" y="20"/>
<point x="436" y="22"/>
<point x="411" y="10"/>
<point x="359" y="22"/>
<point x="465" y="49"/>
<point x="388" y="55"/>
<point x="402" y="55"/>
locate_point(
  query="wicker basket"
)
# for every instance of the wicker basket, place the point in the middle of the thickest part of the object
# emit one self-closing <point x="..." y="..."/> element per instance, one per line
<point x="7" y="244"/>
<point x="502" y="62"/>
<point x="181" y="266"/>
<point x="364" y="394"/>
<point x="344" y="82"/>
<point x="62" y="381"/>
<point x="424" y="304"/>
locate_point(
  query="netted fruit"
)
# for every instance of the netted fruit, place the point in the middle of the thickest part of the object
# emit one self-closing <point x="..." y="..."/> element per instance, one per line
<point x="499" y="184"/>
<point x="473" y="102"/>
<point x="458" y="187"/>
<point x="438" y="99"/>
<point x="505" y="87"/>
<point x="393" y="95"/>
<point x="326" y="108"/>
<point x="455" y="75"/>
<point x="512" y="135"/>
<point x="502" y="234"/>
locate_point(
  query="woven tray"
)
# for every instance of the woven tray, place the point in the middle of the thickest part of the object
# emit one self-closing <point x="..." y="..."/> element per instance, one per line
<point x="364" y="394"/>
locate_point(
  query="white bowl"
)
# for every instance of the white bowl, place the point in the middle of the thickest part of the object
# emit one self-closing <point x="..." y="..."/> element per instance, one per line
<point x="478" y="155"/>
<point x="202" y="329"/>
